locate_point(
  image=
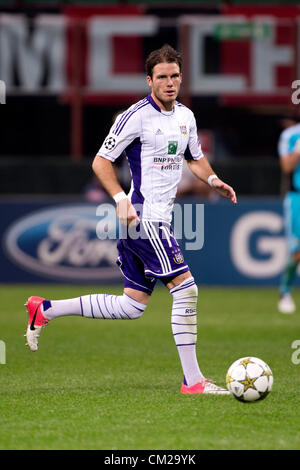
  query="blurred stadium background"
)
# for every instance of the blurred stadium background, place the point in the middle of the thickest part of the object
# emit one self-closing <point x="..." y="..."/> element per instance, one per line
<point x="70" y="66"/>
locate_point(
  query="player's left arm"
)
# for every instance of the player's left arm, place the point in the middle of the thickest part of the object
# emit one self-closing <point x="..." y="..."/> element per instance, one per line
<point x="202" y="169"/>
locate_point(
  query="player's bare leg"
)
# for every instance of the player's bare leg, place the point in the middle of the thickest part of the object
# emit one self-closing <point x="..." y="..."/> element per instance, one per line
<point x="137" y="295"/>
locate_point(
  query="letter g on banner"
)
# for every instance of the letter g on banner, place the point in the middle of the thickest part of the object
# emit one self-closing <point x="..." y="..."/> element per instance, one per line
<point x="273" y="246"/>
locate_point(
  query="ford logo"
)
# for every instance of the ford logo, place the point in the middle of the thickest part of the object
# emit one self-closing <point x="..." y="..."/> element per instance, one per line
<point x="62" y="243"/>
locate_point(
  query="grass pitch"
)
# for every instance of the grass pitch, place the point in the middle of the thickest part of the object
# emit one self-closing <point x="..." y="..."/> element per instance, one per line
<point x="115" y="385"/>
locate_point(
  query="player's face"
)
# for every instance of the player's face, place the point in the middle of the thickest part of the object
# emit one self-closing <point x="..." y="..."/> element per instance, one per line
<point x="165" y="84"/>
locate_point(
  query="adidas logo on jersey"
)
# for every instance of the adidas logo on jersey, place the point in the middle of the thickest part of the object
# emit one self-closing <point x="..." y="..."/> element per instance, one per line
<point x="159" y="132"/>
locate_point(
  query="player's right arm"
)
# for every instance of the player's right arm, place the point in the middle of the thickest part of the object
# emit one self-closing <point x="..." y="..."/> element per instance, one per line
<point x="125" y="129"/>
<point x="106" y="174"/>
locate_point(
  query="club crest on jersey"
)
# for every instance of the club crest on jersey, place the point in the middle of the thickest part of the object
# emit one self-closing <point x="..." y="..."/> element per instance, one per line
<point x="172" y="147"/>
<point x="178" y="257"/>
<point x="110" y="143"/>
<point x="183" y="130"/>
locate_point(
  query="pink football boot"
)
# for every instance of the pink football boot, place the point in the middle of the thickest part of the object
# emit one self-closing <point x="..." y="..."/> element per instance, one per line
<point x="205" y="386"/>
<point x="36" y="322"/>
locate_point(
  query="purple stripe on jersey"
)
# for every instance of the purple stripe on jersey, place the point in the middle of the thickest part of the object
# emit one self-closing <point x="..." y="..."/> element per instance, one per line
<point x="120" y="121"/>
<point x="126" y="113"/>
<point x="180" y="104"/>
<point x="81" y="306"/>
<point x="128" y="117"/>
<point x="133" y="153"/>
<point x="187" y="154"/>
<point x="151" y="101"/>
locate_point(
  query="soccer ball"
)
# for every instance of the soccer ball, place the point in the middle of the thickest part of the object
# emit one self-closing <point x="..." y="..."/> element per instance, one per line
<point x="249" y="379"/>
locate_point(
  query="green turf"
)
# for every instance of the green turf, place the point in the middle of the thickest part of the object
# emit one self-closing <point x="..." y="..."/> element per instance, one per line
<point x="115" y="384"/>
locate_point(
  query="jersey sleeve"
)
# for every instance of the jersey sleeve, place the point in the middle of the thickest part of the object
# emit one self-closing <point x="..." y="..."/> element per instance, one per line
<point x="288" y="142"/>
<point x="122" y="133"/>
<point x="283" y="145"/>
<point x="193" y="150"/>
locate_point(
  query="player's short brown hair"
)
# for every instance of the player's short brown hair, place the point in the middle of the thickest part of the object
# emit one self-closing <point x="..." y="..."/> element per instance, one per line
<point x="165" y="54"/>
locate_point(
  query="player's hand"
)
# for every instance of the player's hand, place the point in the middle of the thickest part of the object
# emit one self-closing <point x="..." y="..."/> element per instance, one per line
<point x="224" y="189"/>
<point x="127" y="213"/>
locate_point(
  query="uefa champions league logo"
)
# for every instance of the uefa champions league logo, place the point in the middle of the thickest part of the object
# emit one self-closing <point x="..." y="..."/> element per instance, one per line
<point x="110" y="143"/>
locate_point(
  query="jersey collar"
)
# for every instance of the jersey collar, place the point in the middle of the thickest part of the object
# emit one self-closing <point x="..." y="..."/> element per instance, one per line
<point x="166" y="113"/>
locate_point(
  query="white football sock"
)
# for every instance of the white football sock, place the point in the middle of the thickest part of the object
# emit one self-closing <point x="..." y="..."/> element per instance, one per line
<point x="184" y="327"/>
<point x="103" y="306"/>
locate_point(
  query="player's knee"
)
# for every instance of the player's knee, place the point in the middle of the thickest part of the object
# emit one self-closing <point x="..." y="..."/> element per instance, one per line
<point x="192" y="291"/>
<point x="135" y="315"/>
<point x="187" y="290"/>
<point x="132" y="308"/>
<point x="191" y="298"/>
<point x="184" y="312"/>
<point x="185" y="298"/>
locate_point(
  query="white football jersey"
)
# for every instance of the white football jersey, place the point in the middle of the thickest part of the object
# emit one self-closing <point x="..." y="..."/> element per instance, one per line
<point x="156" y="143"/>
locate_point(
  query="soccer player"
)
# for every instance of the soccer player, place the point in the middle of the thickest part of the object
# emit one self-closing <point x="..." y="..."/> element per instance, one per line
<point x="289" y="153"/>
<point x="156" y="133"/>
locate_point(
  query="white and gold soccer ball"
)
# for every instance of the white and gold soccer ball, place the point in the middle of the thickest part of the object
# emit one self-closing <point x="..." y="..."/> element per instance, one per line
<point x="249" y="379"/>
